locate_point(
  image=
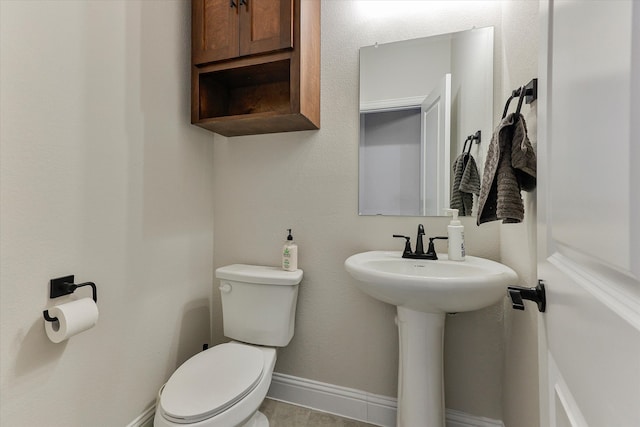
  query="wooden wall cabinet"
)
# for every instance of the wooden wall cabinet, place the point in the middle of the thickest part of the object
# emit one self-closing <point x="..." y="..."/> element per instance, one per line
<point x="255" y="66"/>
<point x="225" y="29"/>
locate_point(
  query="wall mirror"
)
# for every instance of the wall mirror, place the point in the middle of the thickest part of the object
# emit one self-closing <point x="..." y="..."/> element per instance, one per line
<point x="419" y="101"/>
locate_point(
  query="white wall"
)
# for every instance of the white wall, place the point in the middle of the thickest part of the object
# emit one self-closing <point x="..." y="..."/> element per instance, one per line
<point x="308" y="181"/>
<point x="518" y="241"/>
<point x="102" y="177"/>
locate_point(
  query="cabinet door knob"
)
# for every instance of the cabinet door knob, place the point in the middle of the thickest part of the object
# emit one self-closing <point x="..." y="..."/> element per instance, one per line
<point x="232" y="3"/>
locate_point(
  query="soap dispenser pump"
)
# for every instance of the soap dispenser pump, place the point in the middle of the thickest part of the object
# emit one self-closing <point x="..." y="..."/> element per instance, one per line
<point x="290" y="254"/>
<point x="455" y="232"/>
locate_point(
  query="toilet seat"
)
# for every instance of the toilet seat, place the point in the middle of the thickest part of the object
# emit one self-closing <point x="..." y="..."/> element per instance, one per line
<point x="211" y="382"/>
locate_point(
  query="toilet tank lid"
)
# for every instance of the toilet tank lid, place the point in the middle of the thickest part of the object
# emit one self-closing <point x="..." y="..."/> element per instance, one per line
<point x="259" y="274"/>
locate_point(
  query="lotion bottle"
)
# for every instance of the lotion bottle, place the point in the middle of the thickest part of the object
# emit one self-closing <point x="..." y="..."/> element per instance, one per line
<point x="455" y="232"/>
<point x="290" y="254"/>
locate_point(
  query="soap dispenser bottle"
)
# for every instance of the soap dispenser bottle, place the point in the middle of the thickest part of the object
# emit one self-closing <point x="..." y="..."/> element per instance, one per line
<point x="290" y="254"/>
<point x="455" y="232"/>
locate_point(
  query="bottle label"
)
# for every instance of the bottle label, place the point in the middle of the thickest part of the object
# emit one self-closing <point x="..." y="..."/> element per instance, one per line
<point x="286" y="261"/>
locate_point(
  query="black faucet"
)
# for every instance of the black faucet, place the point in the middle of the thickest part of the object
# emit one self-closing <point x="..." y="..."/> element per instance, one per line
<point x="419" y="253"/>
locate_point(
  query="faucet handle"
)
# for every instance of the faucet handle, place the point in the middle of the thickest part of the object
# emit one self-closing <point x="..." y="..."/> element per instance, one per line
<point x="407" y="243"/>
<point x="431" y="251"/>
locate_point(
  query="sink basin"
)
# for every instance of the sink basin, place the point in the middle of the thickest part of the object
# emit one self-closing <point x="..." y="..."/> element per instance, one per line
<point x="424" y="291"/>
<point x="430" y="286"/>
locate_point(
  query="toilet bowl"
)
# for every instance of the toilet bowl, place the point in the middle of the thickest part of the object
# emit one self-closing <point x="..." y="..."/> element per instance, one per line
<point x="220" y="387"/>
<point x="225" y="385"/>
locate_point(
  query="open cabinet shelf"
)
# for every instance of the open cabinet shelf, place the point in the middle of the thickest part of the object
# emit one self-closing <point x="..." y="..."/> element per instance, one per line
<point x="248" y="90"/>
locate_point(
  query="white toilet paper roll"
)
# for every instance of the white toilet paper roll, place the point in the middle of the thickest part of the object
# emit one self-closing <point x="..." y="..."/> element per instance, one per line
<point x="73" y="317"/>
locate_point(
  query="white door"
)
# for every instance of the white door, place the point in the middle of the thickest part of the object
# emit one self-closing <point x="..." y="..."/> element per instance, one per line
<point x="436" y="148"/>
<point x="589" y="213"/>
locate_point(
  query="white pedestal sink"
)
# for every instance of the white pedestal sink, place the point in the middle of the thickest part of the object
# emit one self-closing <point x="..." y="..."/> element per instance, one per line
<point x="424" y="291"/>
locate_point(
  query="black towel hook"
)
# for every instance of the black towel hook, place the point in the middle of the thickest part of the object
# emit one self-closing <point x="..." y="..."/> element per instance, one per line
<point x="506" y="106"/>
<point x="528" y="93"/>
<point x="468" y="153"/>
<point x="464" y="147"/>
<point x="476" y="137"/>
<point x="65" y="286"/>
<point x="523" y="92"/>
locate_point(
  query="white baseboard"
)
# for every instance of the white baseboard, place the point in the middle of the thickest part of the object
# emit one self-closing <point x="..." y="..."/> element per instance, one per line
<point x="145" y="419"/>
<point x="462" y="419"/>
<point x="355" y="404"/>
<point x="342" y="401"/>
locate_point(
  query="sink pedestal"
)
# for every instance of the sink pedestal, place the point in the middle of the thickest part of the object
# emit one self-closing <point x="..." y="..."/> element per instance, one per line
<point x="420" y="376"/>
<point x="423" y="291"/>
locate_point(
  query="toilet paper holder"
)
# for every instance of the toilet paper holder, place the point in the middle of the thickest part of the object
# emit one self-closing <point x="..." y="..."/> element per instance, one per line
<point x="64" y="286"/>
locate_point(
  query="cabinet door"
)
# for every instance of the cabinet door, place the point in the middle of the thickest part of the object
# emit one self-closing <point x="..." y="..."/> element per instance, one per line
<point x="214" y="30"/>
<point x="265" y="25"/>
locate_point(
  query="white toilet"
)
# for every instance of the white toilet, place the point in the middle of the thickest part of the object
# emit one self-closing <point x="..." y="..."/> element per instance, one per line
<point x="225" y="385"/>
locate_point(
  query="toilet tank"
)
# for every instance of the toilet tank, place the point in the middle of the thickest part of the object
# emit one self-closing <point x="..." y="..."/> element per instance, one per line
<point x="258" y="303"/>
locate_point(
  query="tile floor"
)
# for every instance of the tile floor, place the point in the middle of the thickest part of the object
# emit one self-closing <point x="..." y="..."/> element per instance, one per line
<point x="282" y="414"/>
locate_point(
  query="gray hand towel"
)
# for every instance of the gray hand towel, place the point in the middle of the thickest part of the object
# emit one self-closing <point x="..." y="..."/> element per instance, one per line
<point x="457" y="197"/>
<point x="510" y="167"/>
<point x="470" y="182"/>
<point x="466" y="183"/>
<point x="523" y="158"/>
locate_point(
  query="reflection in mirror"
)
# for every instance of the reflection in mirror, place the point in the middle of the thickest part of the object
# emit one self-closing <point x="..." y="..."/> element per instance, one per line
<point x="419" y="100"/>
